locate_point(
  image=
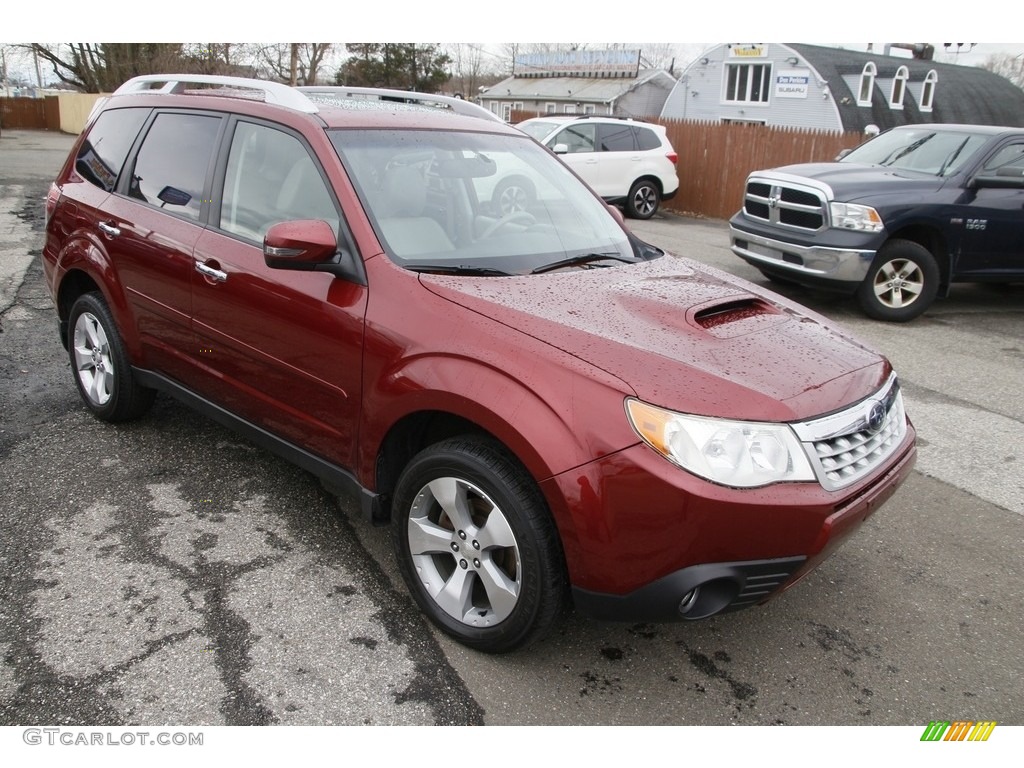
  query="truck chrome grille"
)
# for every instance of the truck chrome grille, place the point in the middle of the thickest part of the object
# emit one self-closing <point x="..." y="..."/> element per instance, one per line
<point x="785" y="205"/>
<point x="847" y="446"/>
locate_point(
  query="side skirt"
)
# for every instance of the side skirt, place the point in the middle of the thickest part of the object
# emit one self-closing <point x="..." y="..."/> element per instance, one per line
<point x="335" y="478"/>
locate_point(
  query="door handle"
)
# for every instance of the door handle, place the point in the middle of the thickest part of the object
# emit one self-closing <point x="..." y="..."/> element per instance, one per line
<point x="210" y="272"/>
<point x="109" y="229"/>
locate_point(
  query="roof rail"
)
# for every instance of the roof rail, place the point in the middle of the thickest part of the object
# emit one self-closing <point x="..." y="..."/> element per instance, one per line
<point x="460" y="106"/>
<point x="273" y="93"/>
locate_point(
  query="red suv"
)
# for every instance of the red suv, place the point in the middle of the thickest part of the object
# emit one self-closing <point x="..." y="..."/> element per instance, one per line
<point x="543" y="407"/>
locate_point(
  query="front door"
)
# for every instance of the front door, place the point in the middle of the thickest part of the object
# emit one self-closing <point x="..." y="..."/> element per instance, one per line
<point x="279" y="347"/>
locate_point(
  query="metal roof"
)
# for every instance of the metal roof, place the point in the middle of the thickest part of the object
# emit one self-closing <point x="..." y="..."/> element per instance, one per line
<point x="962" y="94"/>
<point x="595" y="89"/>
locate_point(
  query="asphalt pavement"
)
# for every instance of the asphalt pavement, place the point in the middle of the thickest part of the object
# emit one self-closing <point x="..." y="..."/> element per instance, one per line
<point x="168" y="572"/>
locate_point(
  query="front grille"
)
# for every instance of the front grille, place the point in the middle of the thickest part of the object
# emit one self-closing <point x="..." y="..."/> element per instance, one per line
<point x="849" y="445"/>
<point x="786" y="205"/>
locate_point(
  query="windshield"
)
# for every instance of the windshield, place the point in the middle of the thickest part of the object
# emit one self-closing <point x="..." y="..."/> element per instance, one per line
<point x="537" y="129"/>
<point x="927" y="150"/>
<point x="478" y="203"/>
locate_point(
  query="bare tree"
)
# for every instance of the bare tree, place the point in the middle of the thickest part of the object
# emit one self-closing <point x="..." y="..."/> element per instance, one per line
<point x="101" y="67"/>
<point x="1009" y="66"/>
<point x="472" y="67"/>
<point x="293" y="63"/>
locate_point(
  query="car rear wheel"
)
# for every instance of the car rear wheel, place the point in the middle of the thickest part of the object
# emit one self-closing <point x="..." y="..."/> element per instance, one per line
<point x="644" y="198"/>
<point x="902" y="283"/>
<point x="103" y="373"/>
<point x="477" y="546"/>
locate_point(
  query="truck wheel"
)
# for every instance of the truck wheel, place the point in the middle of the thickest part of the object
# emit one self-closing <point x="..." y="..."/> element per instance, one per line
<point x="902" y="283"/>
<point x="476" y="545"/>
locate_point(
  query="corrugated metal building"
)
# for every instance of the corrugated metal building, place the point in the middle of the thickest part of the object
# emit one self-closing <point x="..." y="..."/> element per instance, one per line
<point x="809" y="86"/>
<point x="581" y="82"/>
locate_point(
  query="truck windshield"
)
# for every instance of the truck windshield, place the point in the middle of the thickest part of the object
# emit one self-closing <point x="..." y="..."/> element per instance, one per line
<point x="931" y="151"/>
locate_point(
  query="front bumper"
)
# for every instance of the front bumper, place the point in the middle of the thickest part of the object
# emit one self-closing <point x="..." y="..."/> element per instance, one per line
<point x="647" y="541"/>
<point x="809" y="263"/>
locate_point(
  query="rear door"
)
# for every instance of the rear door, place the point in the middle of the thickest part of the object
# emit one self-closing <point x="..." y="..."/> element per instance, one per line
<point x="281" y="348"/>
<point x="620" y="157"/>
<point x="151" y="225"/>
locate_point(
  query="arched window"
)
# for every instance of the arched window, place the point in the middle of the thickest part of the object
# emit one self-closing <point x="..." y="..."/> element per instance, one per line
<point x="899" y="88"/>
<point x="928" y="91"/>
<point x="867" y="84"/>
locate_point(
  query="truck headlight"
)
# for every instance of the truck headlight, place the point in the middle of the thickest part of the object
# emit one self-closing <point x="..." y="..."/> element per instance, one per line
<point x="742" y="454"/>
<point x="863" y="218"/>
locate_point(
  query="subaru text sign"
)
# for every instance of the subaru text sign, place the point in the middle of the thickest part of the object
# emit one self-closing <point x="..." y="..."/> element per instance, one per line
<point x="792" y="84"/>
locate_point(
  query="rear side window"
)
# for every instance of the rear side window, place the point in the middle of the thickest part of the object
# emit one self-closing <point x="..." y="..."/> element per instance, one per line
<point x="617" y="138"/>
<point x="647" y="139"/>
<point x="104" y="150"/>
<point x="170" y="169"/>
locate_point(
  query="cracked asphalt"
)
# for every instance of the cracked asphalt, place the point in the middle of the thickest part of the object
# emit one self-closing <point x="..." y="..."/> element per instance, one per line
<point x="167" y="572"/>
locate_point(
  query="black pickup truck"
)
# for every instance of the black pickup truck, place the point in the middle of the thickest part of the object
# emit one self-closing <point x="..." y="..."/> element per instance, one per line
<point x="896" y="221"/>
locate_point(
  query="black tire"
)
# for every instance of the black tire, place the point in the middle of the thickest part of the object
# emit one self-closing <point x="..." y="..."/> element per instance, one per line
<point x="644" y="199"/>
<point x="902" y="283"/>
<point x="512" y="195"/>
<point x="99" y="361"/>
<point x="484" y="563"/>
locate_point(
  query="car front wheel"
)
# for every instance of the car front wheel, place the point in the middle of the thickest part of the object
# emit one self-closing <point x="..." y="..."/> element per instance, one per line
<point x="644" y="198"/>
<point x="476" y="545"/>
<point x="103" y="373"/>
<point x="902" y="283"/>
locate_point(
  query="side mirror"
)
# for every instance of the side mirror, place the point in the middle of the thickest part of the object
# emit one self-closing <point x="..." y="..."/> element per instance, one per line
<point x="560" y="149"/>
<point x="309" y="245"/>
<point x="1010" y="177"/>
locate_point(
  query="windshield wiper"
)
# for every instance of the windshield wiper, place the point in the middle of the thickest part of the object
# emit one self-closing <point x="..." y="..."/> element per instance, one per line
<point x="583" y="258"/>
<point x="458" y="269"/>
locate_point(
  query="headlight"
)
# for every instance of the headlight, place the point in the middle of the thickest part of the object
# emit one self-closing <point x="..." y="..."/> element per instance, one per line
<point x="860" y="217"/>
<point x="743" y="454"/>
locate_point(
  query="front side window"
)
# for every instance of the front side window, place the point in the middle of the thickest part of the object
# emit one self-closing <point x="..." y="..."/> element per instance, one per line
<point x="579" y="137"/>
<point x="748" y="83"/>
<point x="170" y="169"/>
<point x="270" y="178"/>
<point x="104" y="150"/>
<point x="899" y="88"/>
<point x="1008" y="159"/>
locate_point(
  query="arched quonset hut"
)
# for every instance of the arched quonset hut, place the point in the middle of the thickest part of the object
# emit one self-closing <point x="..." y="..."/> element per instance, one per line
<point x="811" y="86"/>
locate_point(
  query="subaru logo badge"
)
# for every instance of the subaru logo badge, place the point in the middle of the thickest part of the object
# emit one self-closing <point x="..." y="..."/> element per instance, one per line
<point x="876" y="417"/>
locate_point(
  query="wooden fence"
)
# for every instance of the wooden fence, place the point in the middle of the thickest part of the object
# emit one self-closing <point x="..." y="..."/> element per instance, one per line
<point x="715" y="158"/>
<point x="42" y="114"/>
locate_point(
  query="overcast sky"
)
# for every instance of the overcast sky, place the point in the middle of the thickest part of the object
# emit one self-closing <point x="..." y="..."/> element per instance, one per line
<point x="679" y="22"/>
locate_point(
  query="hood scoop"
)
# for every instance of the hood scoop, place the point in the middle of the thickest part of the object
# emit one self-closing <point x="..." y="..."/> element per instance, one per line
<point x="736" y="317"/>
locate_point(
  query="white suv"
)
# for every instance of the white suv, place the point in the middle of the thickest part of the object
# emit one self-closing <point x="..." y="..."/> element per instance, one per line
<point x="625" y="161"/>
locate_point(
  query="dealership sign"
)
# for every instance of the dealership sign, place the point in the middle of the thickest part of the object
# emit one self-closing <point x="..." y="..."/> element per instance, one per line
<point x="792" y="84"/>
